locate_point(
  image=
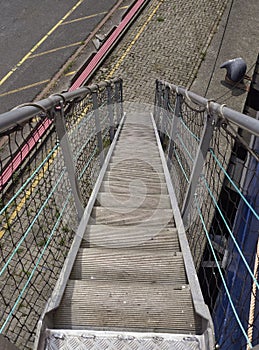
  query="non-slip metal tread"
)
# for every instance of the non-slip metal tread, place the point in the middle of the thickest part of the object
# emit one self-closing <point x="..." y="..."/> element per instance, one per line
<point x="94" y="340"/>
<point x="130" y="216"/>
<point x="133" y="200"/>
<point x="141" y="237"/>
<point x="135" y="265"/>
<point x="131" y="306"/>
<point x="148" y="178"/>
<point x="127" y="187"/>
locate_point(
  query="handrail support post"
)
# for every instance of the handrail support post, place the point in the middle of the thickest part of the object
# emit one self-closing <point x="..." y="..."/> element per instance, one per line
<point x="201" y="154"/>
<point x="59" y="120"/>
<point x="173" y="131"/>
<point x="98" y="127"/>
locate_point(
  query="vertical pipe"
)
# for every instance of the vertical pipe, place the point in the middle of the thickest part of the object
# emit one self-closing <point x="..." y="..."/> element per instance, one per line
<point x="198" y="164"/>
<point x="68" y="158"/>
<point x="110" y="112"/>
<point x="118" y="96"/>
<point x="98" y="127"/>
<point x="175" y="120"/>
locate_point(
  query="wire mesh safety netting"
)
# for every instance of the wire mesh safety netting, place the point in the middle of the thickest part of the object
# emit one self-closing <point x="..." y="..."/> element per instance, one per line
<point x="214" y="166"/>
<point x="38" y="213"/>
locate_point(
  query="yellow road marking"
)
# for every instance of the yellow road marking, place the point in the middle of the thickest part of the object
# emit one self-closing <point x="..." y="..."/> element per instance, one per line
<point x="26" y="87"/>
<point x="28" y="193"/>
<point x="35" y="47"/>
<point x="91" y="16"/>
<point x="122" y="58"/>
<point x="56" y="49"/>
<point x="70" y="73"/>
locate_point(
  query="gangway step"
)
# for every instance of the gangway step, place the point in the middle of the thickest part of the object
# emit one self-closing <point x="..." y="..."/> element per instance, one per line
<point x="98" y="340"/>
<point x="129" y="216"/>
<point x="142" y="237"/>
<point x="127" y="306"/>
<point x="128" y="187"/>
<point x="135" y="265"/>
<point x="145" y="201"/>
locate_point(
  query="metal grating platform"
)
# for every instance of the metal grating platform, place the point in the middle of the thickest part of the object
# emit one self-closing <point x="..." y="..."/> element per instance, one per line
<point x="91" y="340"/>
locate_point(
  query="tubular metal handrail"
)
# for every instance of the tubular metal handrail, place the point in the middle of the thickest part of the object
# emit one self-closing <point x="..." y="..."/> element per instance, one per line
<point x="242" y="120"/>
<point x="52" y="153"/>
<point x="212" y="153"/>
<point x="23" y="113"/>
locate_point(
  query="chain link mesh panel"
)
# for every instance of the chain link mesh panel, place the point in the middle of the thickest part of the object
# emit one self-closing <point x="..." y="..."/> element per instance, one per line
<point x="222" y="222"/>
<point x="37" y="209"/>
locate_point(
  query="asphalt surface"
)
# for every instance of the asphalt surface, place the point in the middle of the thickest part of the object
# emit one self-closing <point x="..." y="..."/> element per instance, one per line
<point x="36" y="38"/>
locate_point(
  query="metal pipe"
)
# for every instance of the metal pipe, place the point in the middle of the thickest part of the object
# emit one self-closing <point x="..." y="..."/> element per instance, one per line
<point x="25" y="112"/>
<point x="244" y="121"/>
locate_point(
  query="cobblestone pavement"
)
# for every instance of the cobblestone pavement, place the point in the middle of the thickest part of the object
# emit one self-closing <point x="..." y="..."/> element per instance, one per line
<point x="168" y="41"/>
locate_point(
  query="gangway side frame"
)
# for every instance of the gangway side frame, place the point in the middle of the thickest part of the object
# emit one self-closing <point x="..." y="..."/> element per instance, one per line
<point x="56" y="297"/>
<point x="198" y="301"/>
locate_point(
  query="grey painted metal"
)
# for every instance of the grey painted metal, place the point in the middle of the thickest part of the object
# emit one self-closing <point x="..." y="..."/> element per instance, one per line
<point x="204" y="144"/>
<point x="110" y="112"/>
<point x="119" y="101"/>
<point x="25" y="112"/>
<point x="165" y="115"/>
<point x="68" y="159"/>
<point x="58" y="292"/>
<point x="173" y="130"/>
<point x="158" y="105"/>
<point x="84" y="340"/>
<point x="198" y="301"/>
<point x="98" y="127"/>
<point x="239" y="119"/>
<point x="236" y="69"/>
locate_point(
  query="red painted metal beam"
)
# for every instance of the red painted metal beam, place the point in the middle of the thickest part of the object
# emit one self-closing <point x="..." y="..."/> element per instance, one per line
<point x="93" y="64"/>
<point x="107" y="46"/>
<point x="24" y="152"/>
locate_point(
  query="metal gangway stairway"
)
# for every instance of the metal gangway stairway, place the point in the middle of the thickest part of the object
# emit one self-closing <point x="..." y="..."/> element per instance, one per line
<point x="129" y="274"/>
<point x="127" y="226"/>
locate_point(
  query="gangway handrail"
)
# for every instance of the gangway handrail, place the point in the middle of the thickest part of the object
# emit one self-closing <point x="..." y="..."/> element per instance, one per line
<point x="43" y="198"/>
<point x="23" y="113"/>
<point x="212" y="154"/>
<point x="242" y="120"/>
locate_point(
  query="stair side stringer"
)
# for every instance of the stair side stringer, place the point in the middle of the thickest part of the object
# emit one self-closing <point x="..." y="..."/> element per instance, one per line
<point x="198" y="301"/>
<point x="46" y="320"/>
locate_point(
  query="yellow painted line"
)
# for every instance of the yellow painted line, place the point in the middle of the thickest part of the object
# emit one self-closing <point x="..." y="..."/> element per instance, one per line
<point x="56" y="49"/>
<point x="26" y="87"/>
<point x="36" y="181"/>
<point x="91" y="16"/>
<point x="35" y="47"/>
<point x="28" y="193"/>
<point x="122" y="58"/>
<point x="70" y="73"/>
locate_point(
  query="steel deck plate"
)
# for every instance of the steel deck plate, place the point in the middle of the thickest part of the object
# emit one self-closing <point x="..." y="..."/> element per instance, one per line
<point x="96" y="340"/>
